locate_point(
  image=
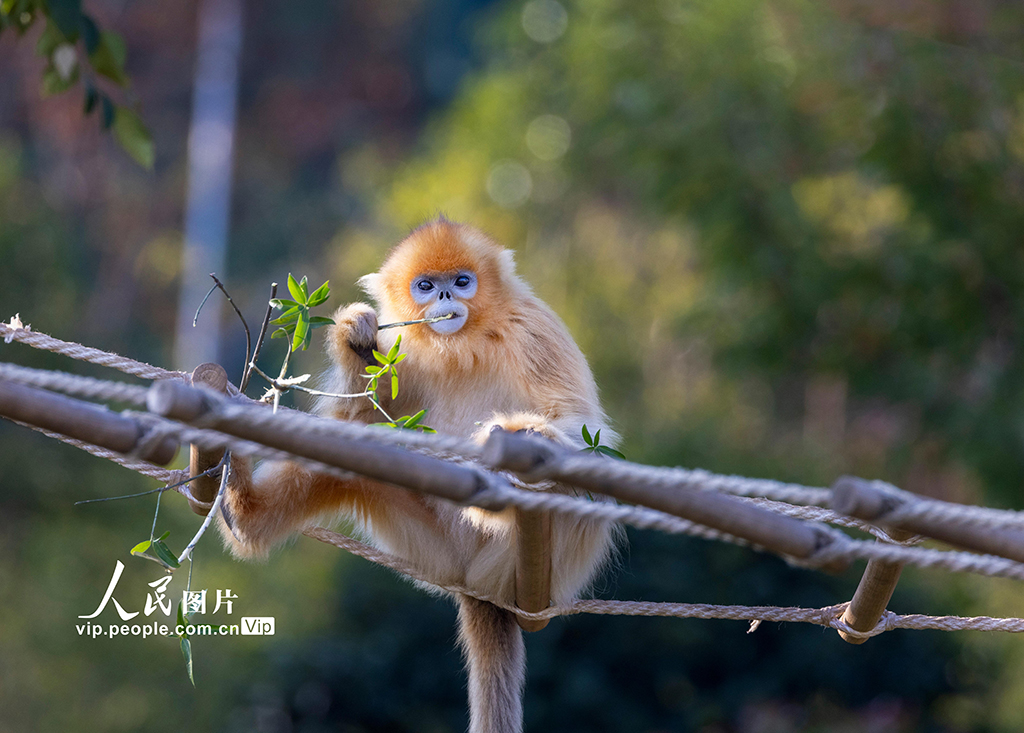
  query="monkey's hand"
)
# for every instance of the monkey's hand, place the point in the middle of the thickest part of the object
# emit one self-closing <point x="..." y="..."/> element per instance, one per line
<point x="353" y="337"/>
<point x="522" y="422"/>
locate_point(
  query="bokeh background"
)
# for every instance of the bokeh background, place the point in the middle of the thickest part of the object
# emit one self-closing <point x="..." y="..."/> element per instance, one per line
<point x="787" y="234"/>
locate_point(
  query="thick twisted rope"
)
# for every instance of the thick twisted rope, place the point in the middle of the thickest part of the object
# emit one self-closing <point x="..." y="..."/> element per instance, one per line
<point x="84" y="353"/>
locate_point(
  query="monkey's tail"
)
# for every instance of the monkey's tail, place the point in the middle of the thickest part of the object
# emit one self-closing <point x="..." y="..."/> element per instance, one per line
<point x="496" y="660"/>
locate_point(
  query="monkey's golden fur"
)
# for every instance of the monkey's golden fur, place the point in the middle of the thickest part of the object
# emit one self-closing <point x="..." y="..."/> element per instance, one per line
<point x="512" y="365"/>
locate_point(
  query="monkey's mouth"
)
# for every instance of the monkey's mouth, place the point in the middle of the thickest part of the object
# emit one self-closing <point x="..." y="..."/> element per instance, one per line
<point x="454" y="319"/>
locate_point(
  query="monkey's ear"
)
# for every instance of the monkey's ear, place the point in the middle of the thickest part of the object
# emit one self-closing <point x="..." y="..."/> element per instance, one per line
<point x="371" y="285"/>
<point x="508" y="262"/>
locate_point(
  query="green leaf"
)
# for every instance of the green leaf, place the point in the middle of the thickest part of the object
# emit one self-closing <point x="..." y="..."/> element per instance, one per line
<point x="295" y="290"/>
<point x="280" y="333"/>
<point x="394" y="349"/>
<point x="163" y="552"/>
<point x="164" y="536"/>
<point x="90" y="34"/>
<point x="394" y="384"/>
<point x="134" y="137"/>
<point x="320" y="295"/>
<point x="67" y="15"/>
<point x="54" y="83"/>
<point x="289" y="316"/>
<point x="597" y="438"/>
<point x="91" y="98"/>
<point x="425" y="429"/>
<point x="586" y="435"/>
<point x="373" y="369"/>
<point x="109" y="57"/>
<point x="49" y="40"/>
<point x="399" y="359"/>
<point x="610" y="452"/>
<point x="304" y="287"/>
<point x="380" y="357"/>
<point x="186" y="651"/>
<point x="109" y="111"/>
<point x="320" y="322"/>
<point x="415" y="419"/>
<point x="284" y="302"/>
<point x="141" y="547"/>
<point x="299" y="337"/>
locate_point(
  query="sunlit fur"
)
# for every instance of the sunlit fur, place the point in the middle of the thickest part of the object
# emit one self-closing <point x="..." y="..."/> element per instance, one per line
<point x="514" y="365"/>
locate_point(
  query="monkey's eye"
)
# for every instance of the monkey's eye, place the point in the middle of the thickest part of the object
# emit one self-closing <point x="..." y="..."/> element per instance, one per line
<point x="461" y="281"/>
<point x="425" y="286"/>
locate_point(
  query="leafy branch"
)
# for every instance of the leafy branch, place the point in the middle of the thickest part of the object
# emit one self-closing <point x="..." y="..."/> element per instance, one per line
<point x="76" y="49"/>
<point x="594" y="445"/>
<point x="297" y="324"/>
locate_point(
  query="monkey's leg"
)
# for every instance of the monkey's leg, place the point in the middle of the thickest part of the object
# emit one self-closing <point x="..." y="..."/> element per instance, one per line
<point x="496" y="662"/>
<point x="261" y="509"/>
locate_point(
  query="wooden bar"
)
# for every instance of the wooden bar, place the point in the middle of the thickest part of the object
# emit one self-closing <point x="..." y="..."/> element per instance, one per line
<point x="533" y="566"/>
<point x="366" y="457"/>
<point x="536" y="459"/>
<point x="203" y="490"/>
<point x="858" y="498"/>
<point x="81" y="420"/>
<point x="871" y="597"/>
<point x="873" y="593"/>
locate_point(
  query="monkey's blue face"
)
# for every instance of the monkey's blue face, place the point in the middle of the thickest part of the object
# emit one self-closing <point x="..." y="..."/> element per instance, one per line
<point x="444" y="294"/>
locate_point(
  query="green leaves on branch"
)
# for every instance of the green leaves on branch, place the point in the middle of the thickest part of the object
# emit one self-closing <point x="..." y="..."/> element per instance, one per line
<point x="76" y="49"/>
<point x="296" y="322"/>
<point x="387" y="367"/>
<point x="162" y="554"/>
<point x="594" y="445"/>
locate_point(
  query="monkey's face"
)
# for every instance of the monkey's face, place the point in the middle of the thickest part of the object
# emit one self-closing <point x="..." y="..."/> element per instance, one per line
<point x="445" y="294"/>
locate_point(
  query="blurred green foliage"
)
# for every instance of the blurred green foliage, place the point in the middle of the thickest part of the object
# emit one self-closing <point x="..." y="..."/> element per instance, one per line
<point x="76" y="49"/>
<point x="787" y="236"/>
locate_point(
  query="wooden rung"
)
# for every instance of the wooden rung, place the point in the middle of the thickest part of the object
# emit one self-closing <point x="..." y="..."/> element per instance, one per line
<point x="858" y="498"/>
<point x="533" y="566"/>
<point x="203" y="490"/>
<point x="871" y="597"/>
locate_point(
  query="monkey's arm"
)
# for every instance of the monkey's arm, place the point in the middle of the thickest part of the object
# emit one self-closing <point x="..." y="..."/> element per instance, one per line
<point x="350" y="343"/>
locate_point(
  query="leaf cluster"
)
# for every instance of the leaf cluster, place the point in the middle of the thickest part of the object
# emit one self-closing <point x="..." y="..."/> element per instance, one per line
<point x="296" y="322"/>
<point x="77" y="49"/>
<point x="594" y="445"/>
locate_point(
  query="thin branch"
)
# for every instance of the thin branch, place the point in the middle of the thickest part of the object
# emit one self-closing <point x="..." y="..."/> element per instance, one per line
<point x="207" y="472"/>
<point x="283" y="386"/>
<point x="259" y="341"/>
<point x="187" y="552"/>
<point x="195" y="318"/>
<point x="156" y="513"/>
<point x="248" y="336"/>
<point x="445" y="317"/>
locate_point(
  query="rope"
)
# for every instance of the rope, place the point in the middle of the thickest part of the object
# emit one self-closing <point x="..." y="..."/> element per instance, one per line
<point x="166" y="475"/>
<point x="837" y="546"/>
<point x="778" y="496"/>
<point x="23" y="334"/>
<point x="912" y="506"/>
<point x="74" y="384"/>
<point x="830" y="616"/>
